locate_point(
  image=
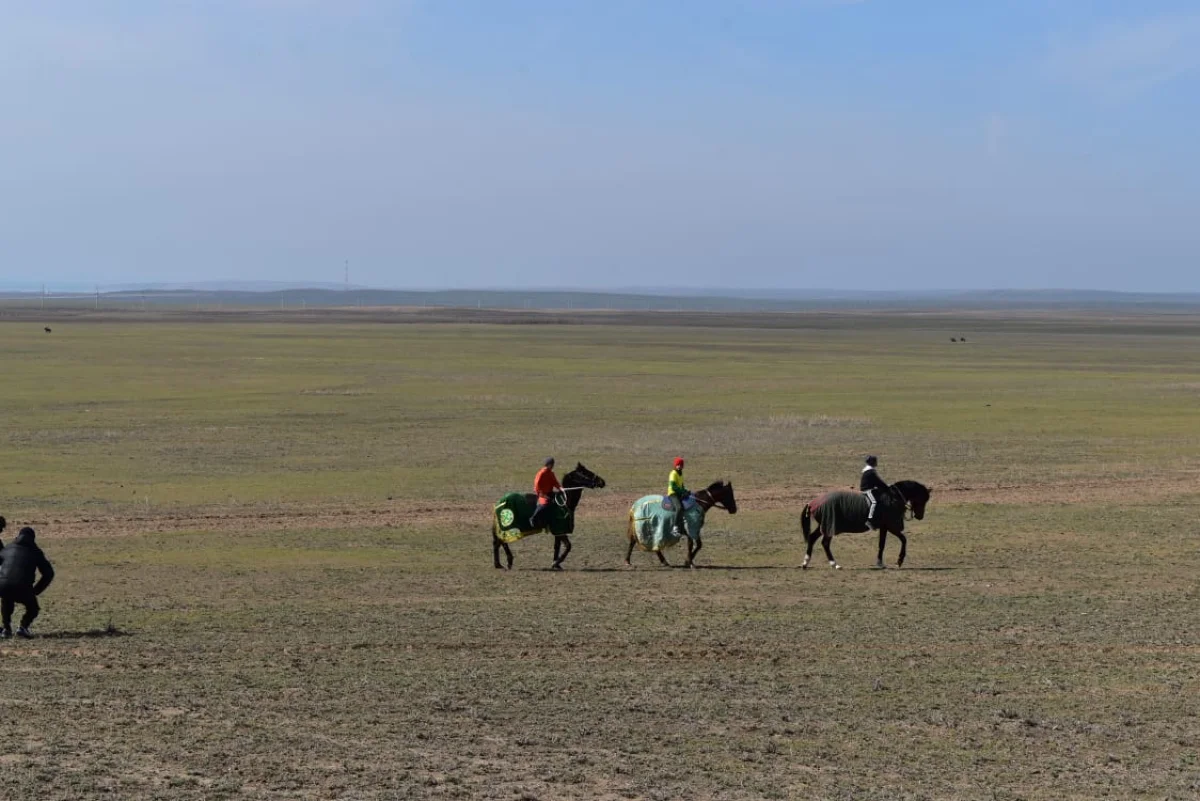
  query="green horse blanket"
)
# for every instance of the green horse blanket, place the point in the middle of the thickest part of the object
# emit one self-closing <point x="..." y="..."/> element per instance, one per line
<point x="652" y="525"/>
<point x="510" y="519"/>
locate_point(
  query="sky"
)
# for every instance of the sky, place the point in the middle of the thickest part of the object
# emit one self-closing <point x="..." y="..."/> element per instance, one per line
<point x="602" y="144"/>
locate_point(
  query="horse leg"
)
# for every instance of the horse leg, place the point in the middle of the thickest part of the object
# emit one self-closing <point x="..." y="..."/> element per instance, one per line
<point x="693" y="549"/>
<point x="508" y="555"/>
<point x="882" y="541"/>
<point x="699" y="545"/>
<point x="631" y="534"/>
<point x="565" y="541"/>
<point x="662" y="559"/>
<point x="826" y="539"/>
<point x="903" y="548"/>
<point x="810" y="540"/>
<point x="496" y="543"/>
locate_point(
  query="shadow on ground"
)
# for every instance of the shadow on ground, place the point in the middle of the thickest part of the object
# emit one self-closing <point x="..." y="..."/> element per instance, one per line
<point x="90" y="634"/>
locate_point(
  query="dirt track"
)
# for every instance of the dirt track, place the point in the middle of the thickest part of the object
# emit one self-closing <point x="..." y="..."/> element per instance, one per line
<point x="597" y="505"/>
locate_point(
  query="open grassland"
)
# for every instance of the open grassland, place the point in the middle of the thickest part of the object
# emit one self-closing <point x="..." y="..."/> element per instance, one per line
<point x="287" y="524"/>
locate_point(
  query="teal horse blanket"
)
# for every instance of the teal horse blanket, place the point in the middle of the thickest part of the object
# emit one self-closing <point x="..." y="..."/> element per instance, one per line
<point x="510" y="518"/>
<point x="652" y="525"/>
<point x="841" y="512"/>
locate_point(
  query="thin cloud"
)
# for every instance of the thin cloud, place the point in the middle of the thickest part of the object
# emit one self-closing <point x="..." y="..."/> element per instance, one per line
<point x="1122" y="60"/>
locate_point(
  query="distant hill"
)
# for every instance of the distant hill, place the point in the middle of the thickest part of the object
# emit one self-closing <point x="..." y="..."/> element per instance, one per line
<point x="274" y="296"/>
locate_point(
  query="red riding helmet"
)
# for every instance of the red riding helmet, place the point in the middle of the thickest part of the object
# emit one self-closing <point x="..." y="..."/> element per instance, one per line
<point x="678" y="462"/>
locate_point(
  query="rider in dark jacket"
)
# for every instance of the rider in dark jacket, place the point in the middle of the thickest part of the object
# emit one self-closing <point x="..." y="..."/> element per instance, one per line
<point x="872" y="484"/>
<point x="20" y="563"/>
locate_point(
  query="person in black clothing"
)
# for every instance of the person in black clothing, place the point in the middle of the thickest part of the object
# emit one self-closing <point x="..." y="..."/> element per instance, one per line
<point x="871" y="484"/>
<point x="20" y="562"/>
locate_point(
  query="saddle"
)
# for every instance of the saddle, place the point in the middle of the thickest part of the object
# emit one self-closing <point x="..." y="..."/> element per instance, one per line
<point x="668" y="503"/>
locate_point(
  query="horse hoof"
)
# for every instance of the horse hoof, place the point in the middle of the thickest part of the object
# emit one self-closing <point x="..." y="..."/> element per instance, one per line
<point x="556" y="566"/>
<point x="835" y="565"/>
<point x="880" y="566"/>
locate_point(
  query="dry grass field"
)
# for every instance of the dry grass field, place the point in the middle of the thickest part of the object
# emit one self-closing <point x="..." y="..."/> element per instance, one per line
<point x="275" y="580"/>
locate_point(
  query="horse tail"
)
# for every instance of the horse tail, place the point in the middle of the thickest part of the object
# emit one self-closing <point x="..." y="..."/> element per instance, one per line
<point x="806" y="520"/>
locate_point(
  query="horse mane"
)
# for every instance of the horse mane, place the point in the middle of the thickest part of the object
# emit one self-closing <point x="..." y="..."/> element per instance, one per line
<point x="913" y="486"/>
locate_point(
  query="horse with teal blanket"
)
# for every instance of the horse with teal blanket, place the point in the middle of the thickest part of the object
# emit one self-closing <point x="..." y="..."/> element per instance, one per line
<point x="846" y="513"/>
<point x="510" y="516"/>
<point x="651" y="521"/>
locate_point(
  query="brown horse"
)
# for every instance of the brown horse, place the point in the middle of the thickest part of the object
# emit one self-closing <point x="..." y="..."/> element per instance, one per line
<point x="846" y="513"/>
<point x="650" y="526"/>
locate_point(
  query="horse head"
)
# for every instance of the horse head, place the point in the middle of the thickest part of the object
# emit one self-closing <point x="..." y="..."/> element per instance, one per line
<point x="582" y="477"/>
<point x="915" y="494"/>
<point x="720" y="494"/>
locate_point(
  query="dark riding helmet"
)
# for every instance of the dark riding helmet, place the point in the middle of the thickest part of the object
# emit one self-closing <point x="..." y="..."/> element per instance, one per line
<point x="873" y="461"/>
<point x="549" y="461"/>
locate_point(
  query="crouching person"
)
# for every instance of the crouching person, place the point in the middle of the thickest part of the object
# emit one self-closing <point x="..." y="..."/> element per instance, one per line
<point x="20" y="562"/>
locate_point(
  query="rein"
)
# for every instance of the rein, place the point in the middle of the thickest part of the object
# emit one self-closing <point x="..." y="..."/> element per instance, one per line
<point x="560" y="498"/>
<point x="909" y="512"/>
<point x="712" y="502"/>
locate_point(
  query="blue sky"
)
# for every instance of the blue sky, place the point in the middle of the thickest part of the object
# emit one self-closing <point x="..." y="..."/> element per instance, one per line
<point x="601" y="144"/>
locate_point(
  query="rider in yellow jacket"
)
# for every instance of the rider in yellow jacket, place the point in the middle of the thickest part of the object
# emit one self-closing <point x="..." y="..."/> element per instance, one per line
<point x="677" y="492"/>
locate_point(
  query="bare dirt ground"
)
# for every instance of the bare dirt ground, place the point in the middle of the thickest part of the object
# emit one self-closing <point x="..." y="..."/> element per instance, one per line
<point x="1010" y="660"/>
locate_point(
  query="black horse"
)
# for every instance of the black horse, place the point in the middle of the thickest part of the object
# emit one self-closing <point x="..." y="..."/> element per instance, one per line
<point x="574" y="483"/>
<point x="846" y="513"/>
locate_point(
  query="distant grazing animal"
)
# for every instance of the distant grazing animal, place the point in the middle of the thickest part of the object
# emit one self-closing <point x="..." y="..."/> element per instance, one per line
<point x="952" y="339"/>
<point x="846" y="513"/>
<point x="46" y="329"/>
<point x="510" y="517"/>
<point x="651" y="526"/>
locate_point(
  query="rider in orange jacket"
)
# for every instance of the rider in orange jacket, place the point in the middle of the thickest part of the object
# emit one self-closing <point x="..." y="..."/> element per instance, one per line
<point x="545" y="484"/>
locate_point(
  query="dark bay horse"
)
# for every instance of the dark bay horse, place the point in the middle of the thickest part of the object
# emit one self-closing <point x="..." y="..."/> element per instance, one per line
<point x="574" y="483"/>
<point x="650" y="526"/>
<point x="846" y="513"/>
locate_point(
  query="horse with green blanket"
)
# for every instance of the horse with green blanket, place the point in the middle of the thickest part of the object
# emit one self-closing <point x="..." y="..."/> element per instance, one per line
<point x="651" y="522"/>
<point x="846" y="513"/>
<point x="511" y="514"/>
